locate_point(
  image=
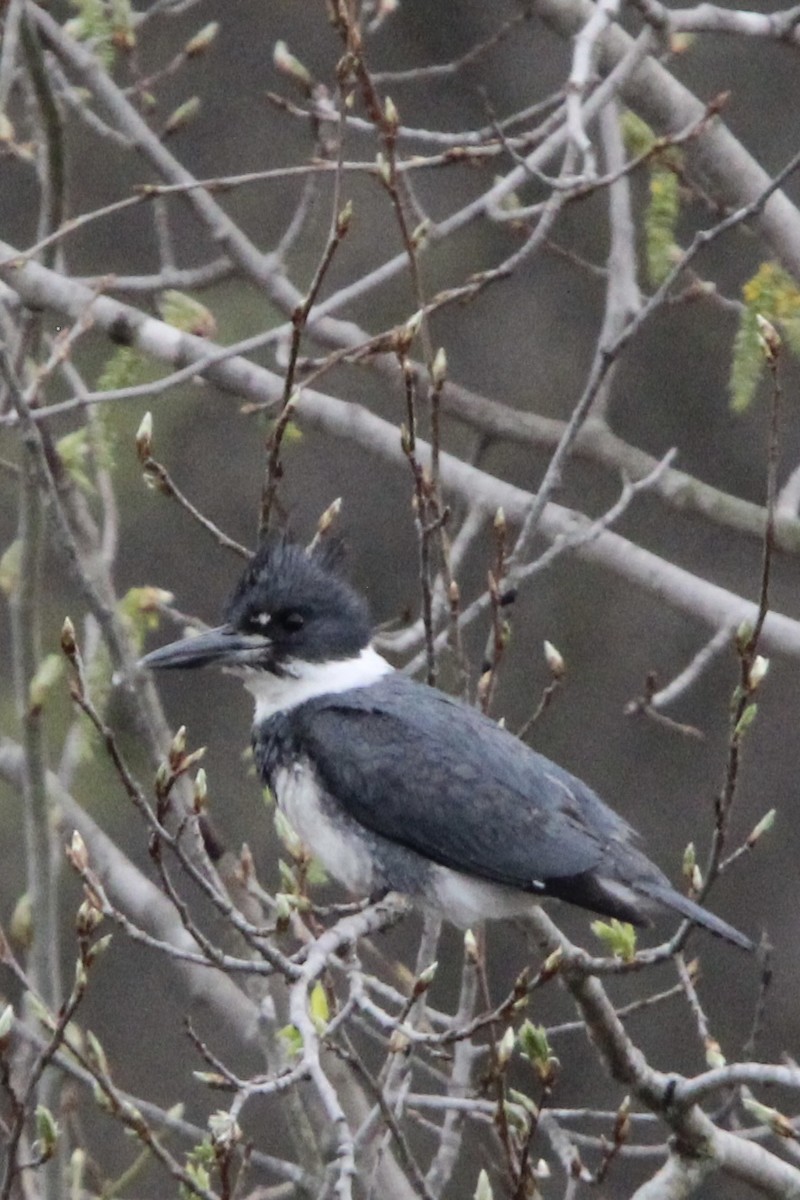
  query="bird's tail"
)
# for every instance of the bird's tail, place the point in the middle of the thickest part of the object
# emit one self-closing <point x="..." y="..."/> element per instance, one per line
<point x="666" y="895"/>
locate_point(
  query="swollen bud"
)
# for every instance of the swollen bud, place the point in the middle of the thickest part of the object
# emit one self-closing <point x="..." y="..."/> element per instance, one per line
<point x="224" y="1129"/>
<point x="329" y="516"/>
<point x="383" y="169"/>
<point x="68" y="642"/>
<point x="768" y="338"/>
<point x="344" y="218"/>
<point x="761" y="827"/>
<point x="390" y="115"/>
<point x="200" y="790"/>
<point x="439" y="367"/>
<point x="201" y="40"/>
<point x="182" y="116"/>
<point x="505" y="1047"/>
<point x="470" y="947"/>
<point x="177" y="747"/>
<point x="757" y="672"/>
<point x="286" y="62"/>
<point x="425" y="979"/>
<point x="554" y="660"/>
<point x="77" y="853"/>
<point x="714" y="1056"/>
<point x="144" y="437"/>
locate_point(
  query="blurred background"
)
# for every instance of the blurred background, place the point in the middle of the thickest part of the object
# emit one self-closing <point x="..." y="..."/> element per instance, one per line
<point x="527" y="343"/>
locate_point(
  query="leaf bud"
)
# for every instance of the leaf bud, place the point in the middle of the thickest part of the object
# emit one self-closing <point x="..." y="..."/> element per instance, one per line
<point x="200" y="790"/>
<point x="758" y="672"/>
<point x="470" y="947"/>
<point x="439" y="367"/>
<point x="425" y="979"/>
<point x="224" y="1129"/>
<point x="77" y="853"/>
<point x="554" y="660"/>
<point x="177" y="747"/>
<point x="181" y="116"/>
<point x="768" y="338"/>
<point x="69" y="644"/>
<point x="329" y="516"/>
<point x="761" y="827"/>
<point x="383" y="169"/>
<point x="88" y="917"/>
<point x="144" y="437"/>
<point x="288" y="64"/>
<point x="714" y="1056"/>
<point x="343" y="219"/>
<point x="390" y="115"/>
<point x="46" y="1131"/>
<point x="201" y="40"/>
<point x="505" y="1047"/>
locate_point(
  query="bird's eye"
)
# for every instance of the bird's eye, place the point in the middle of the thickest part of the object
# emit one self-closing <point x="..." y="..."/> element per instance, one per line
<point x="292" y="621"/>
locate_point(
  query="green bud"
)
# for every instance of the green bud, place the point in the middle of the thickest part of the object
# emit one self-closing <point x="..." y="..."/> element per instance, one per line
<point x="181" y="116"/>
<point x="745" y="720"/>
<point x="439" y="367"/>
<point x="47" y="1131"/>
<point x="225" y="1131"/>
<point x="201" y="40"/>
<point x="762" y="827"/>
<point x="505" y="1047"/>
<point x="288" y="64"/>
<point x="618" y="936"/>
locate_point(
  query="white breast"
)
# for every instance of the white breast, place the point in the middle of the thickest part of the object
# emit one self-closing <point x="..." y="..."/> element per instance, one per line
<point x="330" y="835"/>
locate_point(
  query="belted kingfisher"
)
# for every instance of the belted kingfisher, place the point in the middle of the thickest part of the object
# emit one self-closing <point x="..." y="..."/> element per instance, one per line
<point x="395" y="786"/>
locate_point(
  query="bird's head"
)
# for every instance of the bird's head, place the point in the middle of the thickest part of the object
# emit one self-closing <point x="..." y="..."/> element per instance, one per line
<point x="290" y="608"/>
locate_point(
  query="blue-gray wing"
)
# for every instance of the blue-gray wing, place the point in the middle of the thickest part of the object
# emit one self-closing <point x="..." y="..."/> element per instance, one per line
<point x="422" y="769"/>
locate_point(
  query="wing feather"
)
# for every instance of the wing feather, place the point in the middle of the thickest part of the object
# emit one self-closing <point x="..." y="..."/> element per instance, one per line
<point x="423" y="769"/>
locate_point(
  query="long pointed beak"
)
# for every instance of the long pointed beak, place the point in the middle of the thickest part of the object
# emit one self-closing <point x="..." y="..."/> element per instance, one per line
<point x="220" y="647"/>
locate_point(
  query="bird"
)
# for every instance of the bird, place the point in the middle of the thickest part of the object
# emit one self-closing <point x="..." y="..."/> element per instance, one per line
<point x="396" y="786"/>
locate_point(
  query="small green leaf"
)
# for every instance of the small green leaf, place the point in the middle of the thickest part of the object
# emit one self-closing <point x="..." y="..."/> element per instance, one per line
<point x="47" y="1130"/>
<point x="292" y="1041"/>
<point x="772" y="294"/>
<point x="618" y="936"/>
<point x="319" y="1008"/>
<point x="745" y="720"/>
<point x="533" y="1042"/>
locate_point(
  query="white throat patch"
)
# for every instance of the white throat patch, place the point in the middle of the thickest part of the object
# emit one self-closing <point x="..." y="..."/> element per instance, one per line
<point x="306" y="681"/>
